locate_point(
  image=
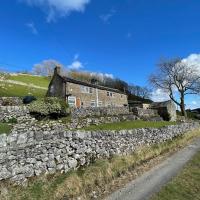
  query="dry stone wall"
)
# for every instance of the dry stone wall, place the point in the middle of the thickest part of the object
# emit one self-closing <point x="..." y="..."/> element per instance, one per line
<point x="141" y="112"/>
<point x="77" y="123"/>
<point x="9" y="112"/>
<point x="10" y="101"/>
<point x="101" y="111"/>
<point x="32" y="150"/>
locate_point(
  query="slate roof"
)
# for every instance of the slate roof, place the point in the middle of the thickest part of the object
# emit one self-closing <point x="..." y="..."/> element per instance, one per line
<point x="71" y="80"/>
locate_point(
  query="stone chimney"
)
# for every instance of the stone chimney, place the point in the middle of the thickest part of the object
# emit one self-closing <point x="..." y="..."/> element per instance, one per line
<point x="57" y="70"/>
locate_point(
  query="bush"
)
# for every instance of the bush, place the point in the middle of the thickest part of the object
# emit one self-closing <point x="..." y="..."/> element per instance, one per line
<point x="49" y="107"/>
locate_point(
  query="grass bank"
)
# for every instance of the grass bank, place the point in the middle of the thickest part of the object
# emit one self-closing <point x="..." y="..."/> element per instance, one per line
<point x="13" y="89"/>
<point x="41" y="81"/>
<point x="186" y="185"/>
<point x="5" y="128"/>
<point x="96" y="177"/>
<point x="129" y="125"/>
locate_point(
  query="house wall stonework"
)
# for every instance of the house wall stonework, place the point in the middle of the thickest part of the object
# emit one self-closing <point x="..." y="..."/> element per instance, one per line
<point x="116" y="100"/>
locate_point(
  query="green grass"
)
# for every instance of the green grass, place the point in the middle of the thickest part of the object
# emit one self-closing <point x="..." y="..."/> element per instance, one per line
<point x="17" y="90"/>
<point x="129" y="125"/>
<point x="94" y="177"/>
<point x="41" y="81"/>
<point x="5" y="128"/>
<point x="14" y="90"/>
<point x="186" y="185"/>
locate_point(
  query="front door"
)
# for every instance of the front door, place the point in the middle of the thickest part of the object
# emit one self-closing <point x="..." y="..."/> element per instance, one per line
<point x="78" y="102"/>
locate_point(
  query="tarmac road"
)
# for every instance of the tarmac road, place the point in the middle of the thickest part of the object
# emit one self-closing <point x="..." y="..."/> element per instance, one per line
<point x="151" y="182"/>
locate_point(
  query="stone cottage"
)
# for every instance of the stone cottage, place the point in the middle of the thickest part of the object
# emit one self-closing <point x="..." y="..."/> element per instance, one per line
<point x="81" y="94"/>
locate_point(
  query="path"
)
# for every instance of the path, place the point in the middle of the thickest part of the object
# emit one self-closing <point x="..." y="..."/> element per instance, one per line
<point x="151" y="182"/>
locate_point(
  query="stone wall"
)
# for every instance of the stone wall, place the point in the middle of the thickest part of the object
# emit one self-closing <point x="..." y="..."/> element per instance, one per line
<point x="10" y="101"/>
<point x="77" y="123"/>
<point x="9" y="112"/>
<point x="32" y="150"/>
<point x="146" y="113"/>
<point x="101" y="111"/>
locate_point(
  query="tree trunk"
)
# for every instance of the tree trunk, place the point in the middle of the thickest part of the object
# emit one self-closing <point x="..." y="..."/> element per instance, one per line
<point x="182" y="105"/>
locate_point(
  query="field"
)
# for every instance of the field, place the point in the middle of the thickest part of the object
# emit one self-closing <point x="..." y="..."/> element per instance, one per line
<point x="186" y="185"/>
<point x="126" y="125"/>
<point x="41" y="81"/>
<point x="22" y="85"/>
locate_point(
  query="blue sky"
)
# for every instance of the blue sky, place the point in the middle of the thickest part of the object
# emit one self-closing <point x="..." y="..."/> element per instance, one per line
<point x="125" y="38"/>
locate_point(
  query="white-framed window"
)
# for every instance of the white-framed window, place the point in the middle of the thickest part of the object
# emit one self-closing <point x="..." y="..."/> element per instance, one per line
<point x="110" y="94"/>
<point x="85" y="89"/>
<point x="72" y="101"/>
<point x="93" y="103"/>
<point x="52" y="89"/>
<point x="100" y="103"/>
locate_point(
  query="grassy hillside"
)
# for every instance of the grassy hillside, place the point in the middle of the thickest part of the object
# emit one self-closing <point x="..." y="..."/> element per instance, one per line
<point x="41" y="81"/>
<point x="20" y="85"/>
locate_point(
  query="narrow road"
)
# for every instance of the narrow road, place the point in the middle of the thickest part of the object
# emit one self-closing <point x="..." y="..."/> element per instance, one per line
<point x="151" y="182"/>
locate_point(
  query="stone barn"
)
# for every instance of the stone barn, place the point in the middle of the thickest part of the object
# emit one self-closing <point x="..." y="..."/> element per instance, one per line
<point x="167" y="110"/>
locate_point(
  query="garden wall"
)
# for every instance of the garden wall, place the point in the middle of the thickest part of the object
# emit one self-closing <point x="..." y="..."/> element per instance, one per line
<point x="101" y="111"/>
<point x="9" y="112"/>
<point x="78" y="123"/>
<point x="32" y="150"/>
<point x="141" y="112"/>
<point x="10" y="101"/>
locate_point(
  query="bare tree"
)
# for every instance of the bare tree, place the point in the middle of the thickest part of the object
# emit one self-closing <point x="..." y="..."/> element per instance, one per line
<point x="139" y="91"/>
<point x="46" y="67"/>
<point x="177" y="78"/>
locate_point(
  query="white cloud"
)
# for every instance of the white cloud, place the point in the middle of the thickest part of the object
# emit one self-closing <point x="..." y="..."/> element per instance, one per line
<point x="76" y="65"/>
<point x="159" y="95"/>
<point x="32" y="28"/>
<point x="194" y="102"/>
<point x="58" y="8"/>
<point x="106" y="17"/>
<point x="193" y="60"/>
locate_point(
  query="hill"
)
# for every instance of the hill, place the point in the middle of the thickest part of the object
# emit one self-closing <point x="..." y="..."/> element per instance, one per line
<point x="20" y="85"/>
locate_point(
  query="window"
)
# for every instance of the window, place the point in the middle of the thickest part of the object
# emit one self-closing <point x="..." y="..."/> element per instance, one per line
<point x="52" y="89"/>
<point x="110" y="94"/>
<point x="71" y="101"/>
<point x="100" y="103"/>
<point x="85" y="89"/>
<point x="91" y="90"/>
<point x="93" y="103"/>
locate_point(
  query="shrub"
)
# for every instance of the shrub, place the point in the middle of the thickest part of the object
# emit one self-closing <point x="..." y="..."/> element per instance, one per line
<point x="49" y="107"/>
